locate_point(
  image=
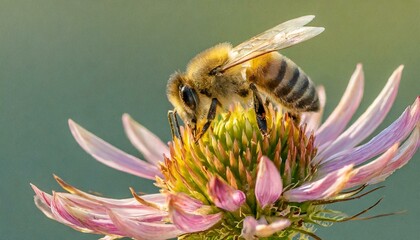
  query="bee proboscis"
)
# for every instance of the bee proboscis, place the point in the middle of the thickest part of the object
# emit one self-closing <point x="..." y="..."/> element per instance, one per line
<point x="222" y="75"/>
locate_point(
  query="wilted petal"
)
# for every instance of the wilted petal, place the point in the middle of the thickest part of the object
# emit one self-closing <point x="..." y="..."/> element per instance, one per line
<point x="404" y="154"/>
<point x="269" y="186"/>
<point x="266" y="230"/>
<point x="111" y="156"/>
<point x="323" y="188"/>
<point x="342" y="114"/>
<point x="253" y="228"/>
<point x="109" y="237"/>
<point x="145" y="141"/>
<point x="313" y="119"/>
<point x="189" y="221"/>
<point x="249" y="228"/>
<point x="368" y="121"/>
<point x="224" y="196"/>
<point x="368" y="171"/>
<point x="144" y="230"/>
<point x="394" y="133"/>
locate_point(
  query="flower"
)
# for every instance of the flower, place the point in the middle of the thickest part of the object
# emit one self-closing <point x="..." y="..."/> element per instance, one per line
<point x="235" y="182"/>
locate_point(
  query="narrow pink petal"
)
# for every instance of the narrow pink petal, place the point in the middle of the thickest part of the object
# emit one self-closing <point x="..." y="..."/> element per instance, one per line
<point x="92" y="215"/>
<point x="43" y="201"/>
<point x="394" y="133"/>
<point x="43" y="196"/>
<point x="85" y="215"/>
<point x="323" y="188"/>
<point x="368" y="121"/>
<point x="135" y="210"/>
<point x="225" y="196"/>
<point x="143" y="230"/>
<point x="185" y="202"/>
<point x="405" y="153"/>
<point x="111" y="156"/>
<point x="189" y="221"/>
<point x="313" y="119"/>
<point x="157" y="199"/>
<point x="266" y="230"/>
<point x="96" y="222"/>
<point x="145" y="141"/>
<point x="99" y="205"/>
<point x="53" y="209"/>
<point x="342" y="114"/>
<point x="269" y="185"/>
<point x="61" y="214"/>
<point x="368" y="171"/>
<point x="249" y="228"/>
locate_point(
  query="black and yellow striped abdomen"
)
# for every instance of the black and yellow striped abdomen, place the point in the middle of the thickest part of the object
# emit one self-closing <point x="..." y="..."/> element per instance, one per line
<point x="284" y="81"/>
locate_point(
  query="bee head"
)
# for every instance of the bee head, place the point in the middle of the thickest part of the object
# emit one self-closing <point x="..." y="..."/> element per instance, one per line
<point x="184" y="98"/>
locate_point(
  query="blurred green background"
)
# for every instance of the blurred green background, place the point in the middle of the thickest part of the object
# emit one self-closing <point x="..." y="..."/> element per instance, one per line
<point x="93" y="60"/>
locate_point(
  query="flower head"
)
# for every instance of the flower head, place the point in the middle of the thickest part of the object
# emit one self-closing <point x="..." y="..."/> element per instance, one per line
<point x="237" y="183"/>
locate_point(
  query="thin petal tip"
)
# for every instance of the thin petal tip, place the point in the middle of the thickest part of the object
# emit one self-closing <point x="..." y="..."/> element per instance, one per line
<point x="126" y="118"/>
<point x="71" y="123"/>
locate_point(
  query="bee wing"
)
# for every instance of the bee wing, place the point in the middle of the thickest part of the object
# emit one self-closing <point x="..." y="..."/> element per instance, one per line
<point x="279" y="37"/>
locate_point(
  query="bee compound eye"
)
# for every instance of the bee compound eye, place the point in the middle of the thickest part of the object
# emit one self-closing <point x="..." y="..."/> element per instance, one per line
<point x="189" y="97"/>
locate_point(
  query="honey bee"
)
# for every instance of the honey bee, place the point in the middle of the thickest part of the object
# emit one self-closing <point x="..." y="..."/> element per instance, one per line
<point x="247" y="73"/>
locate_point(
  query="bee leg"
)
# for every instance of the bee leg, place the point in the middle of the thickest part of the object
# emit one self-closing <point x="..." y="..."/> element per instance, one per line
<point x="210" y="116"/>
<point x="173" y="123"/>
<point x="259" y="110"/>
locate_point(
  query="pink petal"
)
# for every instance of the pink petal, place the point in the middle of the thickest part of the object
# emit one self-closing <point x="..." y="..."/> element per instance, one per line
<point x="313" y="119"/>
<point x="144" y="230"/>
<point x="88" y="213"/>
<point x="45" y="198"/>
<point x="269" y="186"/>
<point x="61" y="214"/>
<point x="368" y="121"/>
<point x="138" y="212"/>
<point x="252" y="228"/>
<point x="158" y="199"/>
<point x="185" y="202"/>
<point x="368" y="171"/>
<point x="323" y="188"/>
<point x="95" y="220"/>
<point x="189" y="221"/>
<point x="394" y="133"/>
<point x="85" y="215"/>
<point x="225" y="196"/>
<point x="111" y="156"/>
<point x="43" y="201"/>
<point x="145" y="141"/>
<point x="405" y="153"/>
<point x="342" y="114"/>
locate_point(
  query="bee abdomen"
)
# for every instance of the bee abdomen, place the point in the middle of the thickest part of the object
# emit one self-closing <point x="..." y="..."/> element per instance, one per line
<point x="289" y="84"/>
